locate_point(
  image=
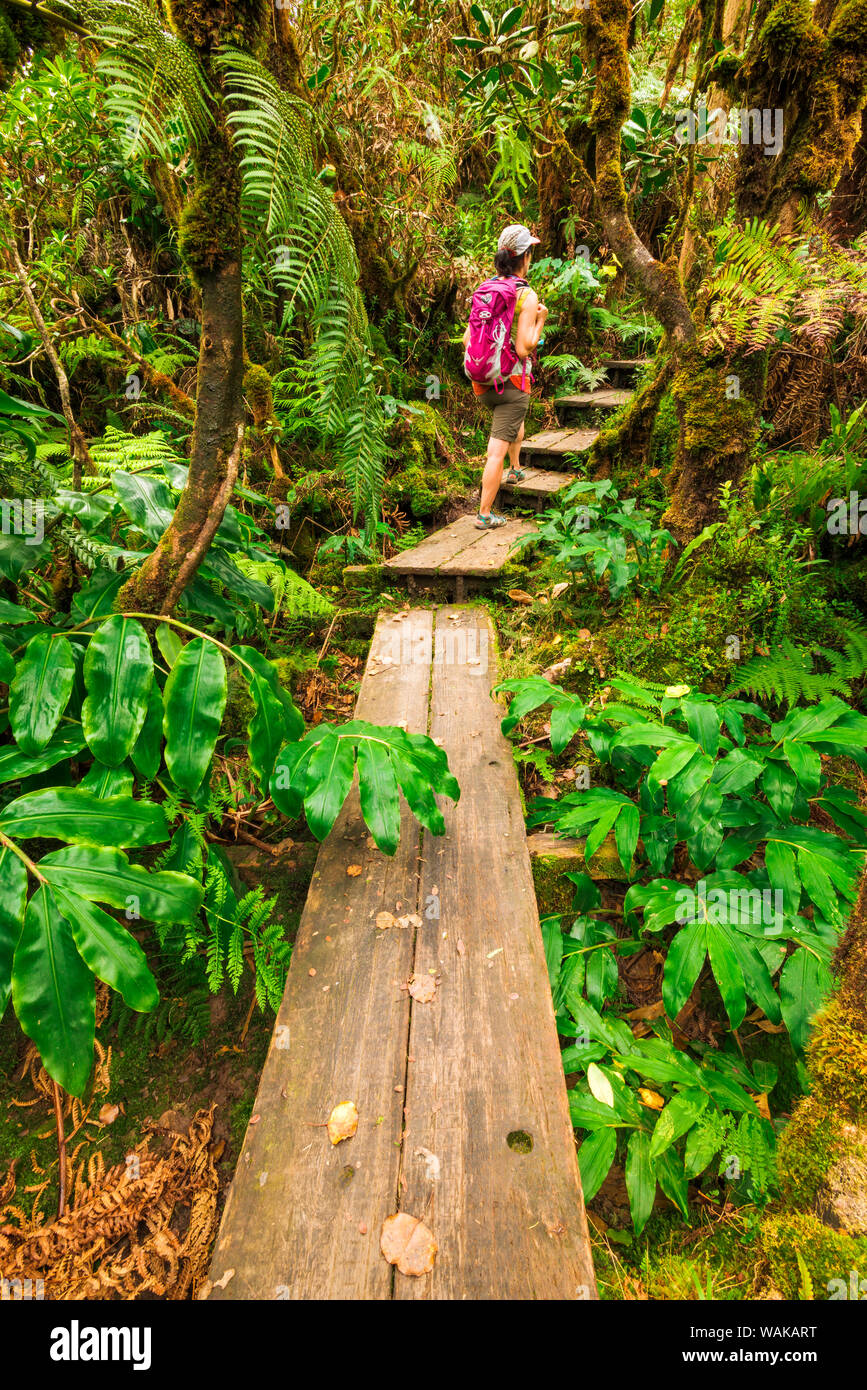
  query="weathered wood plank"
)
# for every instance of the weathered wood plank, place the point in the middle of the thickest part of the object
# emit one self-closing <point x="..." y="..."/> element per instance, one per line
<point x="558" y="442"/>
<point x="292" y="1224"/>
<point x="538" y="482"/>
<point x="489" y="554"/>
<point x="605" y="398"/>
<point x="436" y="548"/>
<point x="484" y="1060"/>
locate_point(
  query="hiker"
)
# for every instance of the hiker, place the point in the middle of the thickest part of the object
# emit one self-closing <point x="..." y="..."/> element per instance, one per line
<point x="506" y="322"/>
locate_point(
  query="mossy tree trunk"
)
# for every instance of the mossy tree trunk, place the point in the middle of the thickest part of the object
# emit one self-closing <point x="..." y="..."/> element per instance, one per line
<point x="209" y="240"/>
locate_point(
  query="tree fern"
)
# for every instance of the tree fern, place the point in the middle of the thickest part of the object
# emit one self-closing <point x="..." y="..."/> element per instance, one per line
<point x="788" y="673"/>
<point x="296" y="600"/>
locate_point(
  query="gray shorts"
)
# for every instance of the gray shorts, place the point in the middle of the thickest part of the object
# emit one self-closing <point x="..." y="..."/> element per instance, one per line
<point x="508" y="409"/>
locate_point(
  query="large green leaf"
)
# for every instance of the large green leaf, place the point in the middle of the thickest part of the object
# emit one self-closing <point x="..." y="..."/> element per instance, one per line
<point x="118" y="675"/>
<point x="273" y="721"/>
<point x="106" y="876"/>
<point x="13" y="895"/>
<point x="81" y="817"/>
<point x="640" y="1179"/>
<point x="380" y="798"/>
<point x="110" y="951"/>
<point x="63" y="745"/>
<point x="147" y="749"/>
<point x="676" y="1118"/>
<point x="595" y="1158"/>
<point x="146" y="500"/>
<point x="194" y="698"/>
<point x="40" y="691"/>
<point x="53" y="992"/>
<point x="108" y="781"/>
<point x="727" y="974"/>
<point x="804" y="983"/>
<point x="329" y="777"/>
<point x="686" y="956"/>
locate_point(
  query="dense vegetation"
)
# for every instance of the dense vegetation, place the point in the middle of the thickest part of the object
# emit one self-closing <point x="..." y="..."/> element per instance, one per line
<point x="237" y="247"/>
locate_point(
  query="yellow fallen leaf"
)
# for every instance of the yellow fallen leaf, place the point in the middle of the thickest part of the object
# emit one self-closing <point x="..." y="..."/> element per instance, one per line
<point x="353" y="870"/>
<point x="343" y="1121"/>
<point x="405" y="1241"/>
<point x="648" y="1011"/>
<point x="762" y="1103"/>
<point x="651" y="1099"/>
<point x="559" y="589"/>
<point x="520" y="596"/>
<point x="108" y="1114"/>
<point x="384" y="920"/>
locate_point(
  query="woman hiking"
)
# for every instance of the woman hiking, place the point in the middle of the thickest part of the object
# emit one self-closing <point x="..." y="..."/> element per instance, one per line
<point x="506" y="322"/>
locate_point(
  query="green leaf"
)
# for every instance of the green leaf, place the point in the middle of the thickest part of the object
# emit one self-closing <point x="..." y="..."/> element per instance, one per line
<point x="640" y="1179"/>
<point x="552" y="939"/>
<point x="701" y="1145"/>
<point x="169" y="643"/>
<point x="671" y="1178"/>
<point x="329" y="778"/>
<point x="727" y="974"/>
<point x="108" y="781"/>
<point x="289" y="778"/>
<point x="106" y="876"/>
<point x="779" y="785"/>
<point x="118" y="675"/>
<point x="80" y="817"/>
<point x="272" y="724"/>
<point x="783" y="874"/>
<point x="626" y="835"/>
<point x="146" y="754"/>
<point x="818" y="885"/>
<point x="40" y="691"/>
<point x="595" y="1158"/>
<point x="756" y="975"/>
<point x="13" y="895"/>
<point x="600" y="829"/>
<point x="703" y="721"/>
<point x="110" y="951"/>
<point x="806" y="765"/>
<point x="194" y="699"/>
<point x="677" y="1117"/>
<point x="380" y="798"/>
<point x="12" y="614"/>
<point x="53" y="993"/>
<point x="63" y="745"/>
<point x="146" y="500"/>
<point x="804" y="984"/>
<point x="682" y="966"/>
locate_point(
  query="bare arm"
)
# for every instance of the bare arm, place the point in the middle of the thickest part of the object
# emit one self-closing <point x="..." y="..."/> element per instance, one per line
<point x="530" y="325"/>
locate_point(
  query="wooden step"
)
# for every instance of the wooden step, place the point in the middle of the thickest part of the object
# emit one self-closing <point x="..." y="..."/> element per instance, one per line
<point x="440" y="1087"/>
<point x="605" y="399"/>
<point x="460" y="552"/>
<point x="552" y="446"/>
<point x="537" y="488"/>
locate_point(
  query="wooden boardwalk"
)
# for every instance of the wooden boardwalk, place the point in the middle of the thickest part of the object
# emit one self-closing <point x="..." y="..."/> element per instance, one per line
<point x="605" y="399"/>
<point x="441" y="1087"/>
<point x="460" y="553"/>
<point x="550" y="448"/>
<point x="537" y="488"/>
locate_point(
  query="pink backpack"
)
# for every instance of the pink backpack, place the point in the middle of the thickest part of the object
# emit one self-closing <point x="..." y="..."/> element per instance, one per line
<point x="490" y="356"/>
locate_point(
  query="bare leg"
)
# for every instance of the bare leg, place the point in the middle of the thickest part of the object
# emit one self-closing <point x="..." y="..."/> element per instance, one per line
<point x="493" y="474"/>
<point x="515" y="451"/>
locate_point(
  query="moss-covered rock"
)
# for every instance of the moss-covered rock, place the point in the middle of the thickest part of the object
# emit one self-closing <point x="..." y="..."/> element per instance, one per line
<point x="837" y="1061"/>
<point x="828" y="1255"/>
<point x="424" y="447"/>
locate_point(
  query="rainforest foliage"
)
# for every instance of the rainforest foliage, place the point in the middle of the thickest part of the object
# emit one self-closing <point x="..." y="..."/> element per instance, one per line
<point x="238" y="244"/>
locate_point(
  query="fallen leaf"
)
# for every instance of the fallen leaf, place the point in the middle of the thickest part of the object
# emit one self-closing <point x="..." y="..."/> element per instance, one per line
<point x="343" y="1121"/>
<point x="362" y="1228"/>
<point x="311" y="971"/>
<point x="460" y="948"/>
<point x="423" y="988"/>
<point x="762" y="1103"/>
<point x="653" y="472"/>
<point x="652" y="1099"/>
<point x="648" y="1011"/>
<point x="520" y="596"/>
<point x="559" y="589"/>
<point x="585" y="634"/>
<point x="384" y="920"/>
<point x="108" y="1114"/>
<point x="353" y="870"/>
<point x="600" y="1087"/>
<point x="412" y="920"/>
<point x="431" y="1164"/>
<point x="405" y="1241"/>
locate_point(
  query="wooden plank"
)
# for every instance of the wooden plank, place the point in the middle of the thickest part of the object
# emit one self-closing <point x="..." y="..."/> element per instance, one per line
<point x="489" y="554"/>
<point x="484" y="1061"/>
<point x="606" y="398"/>
<point x="292" y="1224"/>
<point x="434" y="549"/>
<point x="626" y="363"/>
<point x="539" y="482"/>
<point x="574" y="442"/>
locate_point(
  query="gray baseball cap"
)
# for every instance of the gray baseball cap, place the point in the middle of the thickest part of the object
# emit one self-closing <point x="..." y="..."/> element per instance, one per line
<point x="517" y="239"/>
